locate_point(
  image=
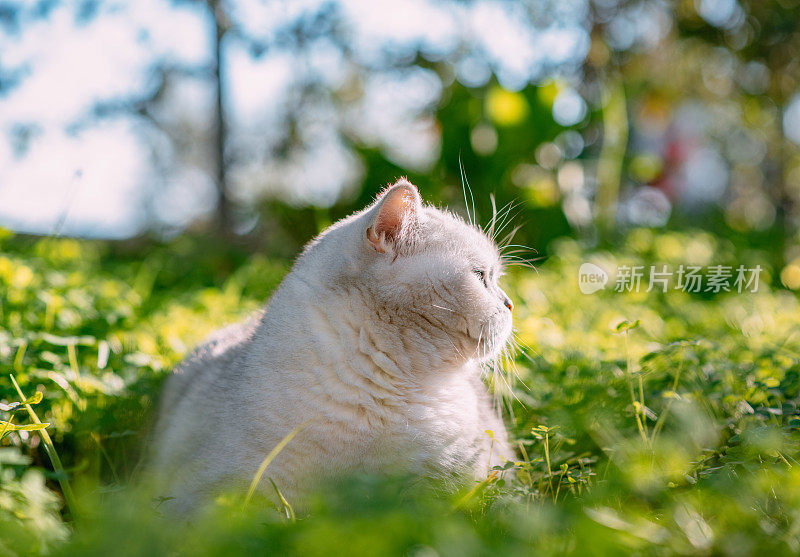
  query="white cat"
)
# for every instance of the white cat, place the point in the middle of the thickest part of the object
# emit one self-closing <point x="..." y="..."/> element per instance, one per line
<point x="373" y="340"/>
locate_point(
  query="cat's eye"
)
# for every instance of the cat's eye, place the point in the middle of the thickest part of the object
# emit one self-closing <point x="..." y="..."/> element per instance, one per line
<point x="481" y="274"/>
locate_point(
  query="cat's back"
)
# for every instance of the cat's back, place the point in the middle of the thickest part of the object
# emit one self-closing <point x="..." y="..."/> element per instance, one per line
<point x="215" y="356"/>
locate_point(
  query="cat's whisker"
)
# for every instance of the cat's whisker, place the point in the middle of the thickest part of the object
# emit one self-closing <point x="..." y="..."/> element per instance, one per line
<point x="464" y="188"/>
<point x="503" y="377"/>
<point x="512" y="363"/>
<point x="453" y="344"/>
<point x="525" y="348"/>
<point x="506" y="209"/>
<point x="515" y="251"/>
<point x="499" y="372"/>
<point x="498" y="214"/>
<point x="444" y="308"/>
<point x="515" y="257"/>
<point x="479" y="346"/>
<point x="496" y="377"/>
<point x="516" y="260"/>
<point x="523" y="246"/>
<point x="510" y="236"/>
<point x="458" y="351"/>
<point x="522" y="253"/>
<point x="506" y="219"/>
<point x="490" y="232"/>
<point x="512" y="258"/>
<point x="528" y="356"/>
<point x="521" y="264"/>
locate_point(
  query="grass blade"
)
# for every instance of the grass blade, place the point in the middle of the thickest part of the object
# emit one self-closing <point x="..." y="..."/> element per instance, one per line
<point x="52" y="454"/>
<point x="269" y="458"/>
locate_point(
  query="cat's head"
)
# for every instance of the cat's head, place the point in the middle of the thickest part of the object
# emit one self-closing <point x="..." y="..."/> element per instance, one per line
<point x="430" y="269"/>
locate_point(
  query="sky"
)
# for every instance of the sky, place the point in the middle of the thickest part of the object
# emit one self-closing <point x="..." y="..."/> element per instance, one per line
<point x="63" y="170"/>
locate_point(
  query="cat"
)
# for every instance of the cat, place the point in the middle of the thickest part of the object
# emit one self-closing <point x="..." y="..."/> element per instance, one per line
<point x="372" y="344"/>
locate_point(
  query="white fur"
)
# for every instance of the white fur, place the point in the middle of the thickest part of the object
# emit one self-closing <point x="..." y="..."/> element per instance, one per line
<point x="374" y="339"/>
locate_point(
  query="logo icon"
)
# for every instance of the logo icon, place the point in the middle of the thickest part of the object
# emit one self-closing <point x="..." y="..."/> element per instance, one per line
<point x="591" y="278"/>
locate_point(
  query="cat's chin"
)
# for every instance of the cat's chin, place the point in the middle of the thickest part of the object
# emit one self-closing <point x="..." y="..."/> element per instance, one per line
<point x="496" y="334"/>
<point x="488" y="351"/>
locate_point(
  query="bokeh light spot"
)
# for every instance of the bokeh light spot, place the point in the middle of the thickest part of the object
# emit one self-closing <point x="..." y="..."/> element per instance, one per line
<point x="506" y="108"/>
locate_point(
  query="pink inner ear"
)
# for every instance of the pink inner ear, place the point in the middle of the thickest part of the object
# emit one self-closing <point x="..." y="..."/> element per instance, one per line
<point x="398" y="205"/>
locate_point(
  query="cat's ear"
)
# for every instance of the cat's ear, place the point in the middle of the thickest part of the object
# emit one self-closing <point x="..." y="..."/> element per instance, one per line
<point x="395" y="216"/>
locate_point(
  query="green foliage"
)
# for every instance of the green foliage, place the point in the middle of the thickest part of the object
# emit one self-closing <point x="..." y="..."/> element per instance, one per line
<point x="29" y="518"/>
<point x="94" y="331"/>
<point x="6" y="427"/>
<point x="649" y="423"/>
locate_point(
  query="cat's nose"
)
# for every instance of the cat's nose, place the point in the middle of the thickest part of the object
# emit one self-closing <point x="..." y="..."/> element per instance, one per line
<point x="508" y="303"/>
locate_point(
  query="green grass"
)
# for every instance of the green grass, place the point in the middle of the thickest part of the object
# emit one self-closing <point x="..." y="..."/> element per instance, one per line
<point x="674" y="435"/>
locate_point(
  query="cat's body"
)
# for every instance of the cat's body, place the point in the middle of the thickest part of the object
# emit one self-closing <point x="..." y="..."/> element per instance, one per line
<point x="370" y="342"/>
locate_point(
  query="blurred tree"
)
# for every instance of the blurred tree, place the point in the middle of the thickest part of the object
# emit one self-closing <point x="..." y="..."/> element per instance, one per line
<point x="588" y="115"/>
<point x="221" y="24"/>
<point x="345" y="108"/>
<point x="763" y="38"/>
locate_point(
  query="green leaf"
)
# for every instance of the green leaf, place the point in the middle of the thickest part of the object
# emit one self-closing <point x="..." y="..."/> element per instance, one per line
<point x="35" y="398"/>
<point x="625" y="326"/>
<point x="15" y="406"/>
<point x="26" y="427"/>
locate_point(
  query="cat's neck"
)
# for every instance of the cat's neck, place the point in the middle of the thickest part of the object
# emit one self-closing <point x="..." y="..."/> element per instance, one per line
<point x="337" y="328"/>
